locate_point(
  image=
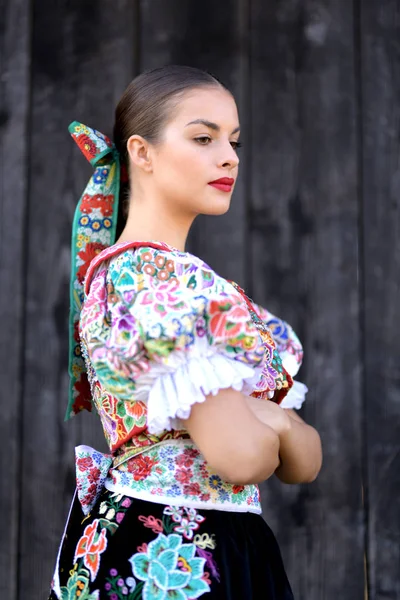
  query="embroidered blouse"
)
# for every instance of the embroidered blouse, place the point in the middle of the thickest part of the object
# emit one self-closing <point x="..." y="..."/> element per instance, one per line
<point x="160" y="330"/>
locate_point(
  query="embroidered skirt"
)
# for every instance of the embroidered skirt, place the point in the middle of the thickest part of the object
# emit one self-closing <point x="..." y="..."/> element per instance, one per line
<point x="130" y="549"/>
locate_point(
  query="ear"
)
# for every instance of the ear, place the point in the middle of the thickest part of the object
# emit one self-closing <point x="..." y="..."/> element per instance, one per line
<point x="139" y="153"/>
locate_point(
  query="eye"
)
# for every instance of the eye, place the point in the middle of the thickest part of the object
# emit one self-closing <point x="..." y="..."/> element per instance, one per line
<point x="203" y="140"/>
<point x="236" y="145"/>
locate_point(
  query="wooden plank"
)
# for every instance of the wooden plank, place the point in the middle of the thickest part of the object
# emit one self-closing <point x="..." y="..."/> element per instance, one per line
<point x="82" y="59"/>
<point x="14" y="106"/>
<point x="213" y="38"/>
<point x="380" y="71"/>
<point x="304" y="248"/>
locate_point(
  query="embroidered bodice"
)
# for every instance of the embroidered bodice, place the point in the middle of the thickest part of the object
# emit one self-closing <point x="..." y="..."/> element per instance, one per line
<point x="160" y="330"/>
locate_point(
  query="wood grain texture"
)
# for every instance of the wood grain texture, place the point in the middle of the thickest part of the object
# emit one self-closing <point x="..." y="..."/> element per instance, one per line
<point x="14" y="111"/>
<point x="81" y="62"/>
<point x="380" y="95"/>
<point x="304" y="230"/>
<point x="180" y="32"/>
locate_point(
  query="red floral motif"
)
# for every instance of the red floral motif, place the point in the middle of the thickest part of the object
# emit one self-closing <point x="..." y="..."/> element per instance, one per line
<point x="76" y="332"/>
<point x="183" y="475"/>
<point x="104" y="203"/>
<point x="141" y="467"/>
<point x="90" y="546"/>
<point x="84" y="463"/>
<point x="237" y="489"/>
<point x="227" y="318"/>
<point x="86" y="145"/>
<point x="152" y="523"/>
<point x="206" y="577"/>
<point x="90" y="493"/>
<point x="192" y="489"/>
<point x="87" y="255"/>
<point x="191" y="452"/>
<point x="94" y="475"/>
<point x="83" y="399"/>
<point x="205" y="497"/>
<point x="136" y="409"/>
<point x="184" y="461"/>
<point x="142" y="548"/>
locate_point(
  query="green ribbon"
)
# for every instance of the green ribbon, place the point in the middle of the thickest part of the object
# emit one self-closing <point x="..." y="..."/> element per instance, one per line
<point x="93" y="230"/>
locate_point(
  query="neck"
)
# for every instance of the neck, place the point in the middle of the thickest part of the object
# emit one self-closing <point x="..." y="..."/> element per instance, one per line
<point x="146" y="223"/>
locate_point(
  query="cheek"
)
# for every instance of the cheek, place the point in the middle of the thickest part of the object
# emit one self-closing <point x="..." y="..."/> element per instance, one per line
<point x="186" y="166"/>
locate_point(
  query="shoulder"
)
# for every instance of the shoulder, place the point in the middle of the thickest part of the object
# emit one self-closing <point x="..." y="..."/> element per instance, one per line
<point x="161" y="268"/>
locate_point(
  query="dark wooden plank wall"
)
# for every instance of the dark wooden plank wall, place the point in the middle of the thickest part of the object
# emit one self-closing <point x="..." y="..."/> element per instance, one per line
<point x="304" y="220"/>
<point x="14" y="109"/>
<point x="380" y="223"/>
<point x="313" y="233"/>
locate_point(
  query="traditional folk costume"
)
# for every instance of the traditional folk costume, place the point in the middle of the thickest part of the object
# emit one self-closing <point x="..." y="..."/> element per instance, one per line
<point x="152" y="331"/>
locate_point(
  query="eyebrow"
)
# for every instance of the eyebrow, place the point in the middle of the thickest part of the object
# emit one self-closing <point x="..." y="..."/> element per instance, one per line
<point x="210" y="124"/>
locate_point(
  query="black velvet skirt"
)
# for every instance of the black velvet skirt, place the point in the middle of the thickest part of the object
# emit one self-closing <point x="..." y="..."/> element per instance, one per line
<point x="129" y="549"/>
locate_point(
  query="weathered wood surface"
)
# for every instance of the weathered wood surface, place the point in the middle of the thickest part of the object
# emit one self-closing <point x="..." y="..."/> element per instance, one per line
<point x="380" y="277"/>
<point x="304" y="228"/>
<point x="14" y="111"/>
<point x="313" y="233"/>
<point x="81" y="62"/>
<point x="215" y="40"/>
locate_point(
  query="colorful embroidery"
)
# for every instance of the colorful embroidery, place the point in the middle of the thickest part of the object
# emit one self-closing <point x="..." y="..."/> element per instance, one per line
<point x="90" y="546"/>
<point x="147" y="311"/>
<point x="78" y="587"/>
<point x="178" y="474"/>
<point x="93" y="230"/>
<point x="118" y="588"/>
<point x="170" y="569"/>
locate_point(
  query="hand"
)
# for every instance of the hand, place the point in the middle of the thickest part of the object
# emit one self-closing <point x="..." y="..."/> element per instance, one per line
<point x="270" y="414"/>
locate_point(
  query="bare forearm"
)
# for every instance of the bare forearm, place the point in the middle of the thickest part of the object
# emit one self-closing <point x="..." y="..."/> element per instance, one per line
<point x="300" y="453"/>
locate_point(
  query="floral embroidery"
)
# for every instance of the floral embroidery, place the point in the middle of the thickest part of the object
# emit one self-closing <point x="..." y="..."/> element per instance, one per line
<point x="90" y="546"/>
<point x="171" y="481"/>
<point x="170" y="569"/>
<point x="152" y="523"/>
<point x="78" y="587"/>
<point x="147" y="310"/>
<point x="93" y="543"/>
<point x="186" y="524"/>
<point x="118" y="588"/>
<point x="93" y="231"/>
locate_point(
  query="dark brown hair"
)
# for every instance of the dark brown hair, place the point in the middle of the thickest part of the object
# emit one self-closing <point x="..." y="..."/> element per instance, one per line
<point x="145" y="108"/>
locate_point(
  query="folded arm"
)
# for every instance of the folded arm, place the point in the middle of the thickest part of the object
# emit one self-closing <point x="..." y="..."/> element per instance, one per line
<point x="300" y="451"/>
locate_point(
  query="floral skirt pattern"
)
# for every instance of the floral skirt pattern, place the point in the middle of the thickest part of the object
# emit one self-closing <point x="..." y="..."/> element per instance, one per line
<point x="130" y="549"/>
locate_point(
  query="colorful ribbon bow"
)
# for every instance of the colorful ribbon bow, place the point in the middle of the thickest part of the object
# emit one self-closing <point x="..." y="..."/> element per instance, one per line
<point x="91" y="472"/>
<point x="93" y="230"/>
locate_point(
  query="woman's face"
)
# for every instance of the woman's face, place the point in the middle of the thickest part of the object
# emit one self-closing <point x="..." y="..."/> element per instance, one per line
<point x="198" y="146"/>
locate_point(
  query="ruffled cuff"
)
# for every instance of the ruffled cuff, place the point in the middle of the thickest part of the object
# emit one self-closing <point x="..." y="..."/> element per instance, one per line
<point x="295" y="396"/>
<point x="173" y="394"/>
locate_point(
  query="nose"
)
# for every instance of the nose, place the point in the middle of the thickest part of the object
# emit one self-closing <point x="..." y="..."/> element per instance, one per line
<point x="229" y="159"/>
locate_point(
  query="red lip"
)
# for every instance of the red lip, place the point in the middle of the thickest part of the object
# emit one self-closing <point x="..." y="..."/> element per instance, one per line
<point x="224" y="181"/>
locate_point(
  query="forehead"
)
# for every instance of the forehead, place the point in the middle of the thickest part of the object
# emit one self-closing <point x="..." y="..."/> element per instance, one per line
<point x="212" y="104"/>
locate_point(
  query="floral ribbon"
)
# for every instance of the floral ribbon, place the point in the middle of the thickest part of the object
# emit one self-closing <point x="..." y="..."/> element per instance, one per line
<point x="91" y="472"/>
<point x="93" y="230"/>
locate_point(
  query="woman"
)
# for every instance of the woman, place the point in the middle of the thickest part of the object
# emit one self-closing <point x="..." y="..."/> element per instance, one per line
<point x="181" y="367"/>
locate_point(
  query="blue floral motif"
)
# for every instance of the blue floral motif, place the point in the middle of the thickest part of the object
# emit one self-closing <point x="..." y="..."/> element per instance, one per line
<point x="279" y="330"/>
<point x="100" y="175"/>
<point x="125" y="479"/>
<point x="223" y="495"/>
<point x="170" y="570"/>
<point x="215" y="482"/>
<point x="174" y="490"/>
<point x="167" y="451"/>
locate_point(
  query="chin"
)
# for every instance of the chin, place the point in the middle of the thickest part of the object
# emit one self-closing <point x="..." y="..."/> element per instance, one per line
<point x="216" y="207"/>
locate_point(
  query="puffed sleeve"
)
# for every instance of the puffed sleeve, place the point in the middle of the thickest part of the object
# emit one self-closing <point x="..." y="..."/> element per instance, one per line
<point x="163" y="328"/>
<point x="291" y="352"/>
